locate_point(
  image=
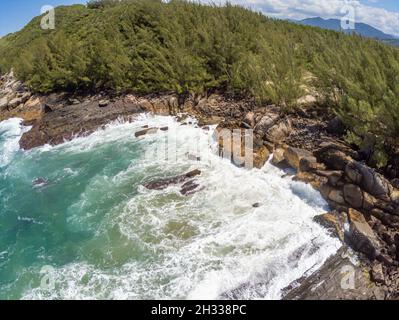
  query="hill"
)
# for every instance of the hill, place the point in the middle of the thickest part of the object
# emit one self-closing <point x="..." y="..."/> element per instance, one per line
<point x="362" y="29"/>
<point x="149" y="46"/>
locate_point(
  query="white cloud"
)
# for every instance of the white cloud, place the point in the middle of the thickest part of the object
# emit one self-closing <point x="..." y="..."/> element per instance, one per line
<point x="379" y="18"/>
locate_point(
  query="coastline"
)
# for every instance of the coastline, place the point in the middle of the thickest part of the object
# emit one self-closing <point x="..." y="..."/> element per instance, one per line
<point x="300" y="141"/>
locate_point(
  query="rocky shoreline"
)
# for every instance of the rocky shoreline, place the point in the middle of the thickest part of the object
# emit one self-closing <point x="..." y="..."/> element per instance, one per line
<point x="365" y="204"/>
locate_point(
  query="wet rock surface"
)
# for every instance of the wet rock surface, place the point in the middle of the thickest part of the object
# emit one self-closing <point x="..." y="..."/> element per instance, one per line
<point x="165" y="183"/>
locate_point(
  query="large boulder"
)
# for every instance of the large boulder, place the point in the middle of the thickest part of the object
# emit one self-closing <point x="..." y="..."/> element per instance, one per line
<point x="334" y="176"/>
<point x="369" y="180"/>
<point x="360" y="235"/>
<point x="278" y="156"/>
<point x="261" y="155"/>
<point x="279" y="132"/>
<point x="3" y="103"/>
<point x="386" y="218"/>
<point x="294" y="156"/>
<point x="164" y="183"/>
<point x="266" y="122"/>
<point x="333" y="156"/>
<point x="336" y="126"/>
<point x="250" y="119"/>
<point x="334" y="222"/>
<point x="353" y="195"/>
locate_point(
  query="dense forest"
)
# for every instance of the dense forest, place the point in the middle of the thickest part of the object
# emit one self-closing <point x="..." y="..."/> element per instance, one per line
<point x="149" y="45"/>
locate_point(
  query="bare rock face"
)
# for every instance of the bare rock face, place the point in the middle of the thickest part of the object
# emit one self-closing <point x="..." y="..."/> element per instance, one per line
<point x="361" y="237"/>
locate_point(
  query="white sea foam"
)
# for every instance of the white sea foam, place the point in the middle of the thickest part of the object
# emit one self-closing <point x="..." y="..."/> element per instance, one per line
<point x="213" y="244"/>
<point x="11" y="131"/>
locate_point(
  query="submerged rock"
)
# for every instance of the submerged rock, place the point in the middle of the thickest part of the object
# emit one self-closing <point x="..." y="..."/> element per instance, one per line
<point x="164" y="183"/>
<point x="39" y="182"/>
<point x="145" y="132"/>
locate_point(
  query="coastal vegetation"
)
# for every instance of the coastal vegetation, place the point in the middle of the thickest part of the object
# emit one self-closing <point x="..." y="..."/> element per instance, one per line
<point x="147" y="46"/>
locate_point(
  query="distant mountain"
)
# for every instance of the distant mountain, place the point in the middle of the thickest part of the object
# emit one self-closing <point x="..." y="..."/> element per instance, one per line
<point x="360" y="28"/>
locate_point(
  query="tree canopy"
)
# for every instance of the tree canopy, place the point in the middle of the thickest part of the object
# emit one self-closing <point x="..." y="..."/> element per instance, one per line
<point x="145" y="46"/>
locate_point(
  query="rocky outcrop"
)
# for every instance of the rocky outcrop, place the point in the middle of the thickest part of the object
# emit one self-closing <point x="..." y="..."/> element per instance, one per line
<point x="188" y="188"/>
<point x="17" y="101"/>
<point x="361" y="236"/>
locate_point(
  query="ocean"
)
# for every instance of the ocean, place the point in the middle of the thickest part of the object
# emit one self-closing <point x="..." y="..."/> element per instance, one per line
<point x="76" y="221"/>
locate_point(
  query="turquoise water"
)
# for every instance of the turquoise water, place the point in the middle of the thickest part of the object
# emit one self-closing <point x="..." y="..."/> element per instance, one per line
<point x="92" y="231"/>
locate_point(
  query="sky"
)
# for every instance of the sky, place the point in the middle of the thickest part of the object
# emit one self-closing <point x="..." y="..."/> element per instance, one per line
<point x="382" y="14"/>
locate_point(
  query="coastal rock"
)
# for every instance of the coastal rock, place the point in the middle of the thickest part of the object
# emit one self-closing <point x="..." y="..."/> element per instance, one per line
<point x="334" y="177"/>
<point x="369" y="180"/>
<point x="250" y="119"/>
<point x="3" y="103"/>
<point x="314" y="180"/>
<point x="279" y="132"/>
<point x="189" y="188"/>
<point x="15" y="103"/>
<point x="361" y="237"/>
<point x="334" y="222"/>
<point x="145" y="132"/>
<point x="266" y="122"/>
<point x="336" y="126"/>
<point x="353" y="195"/>
<point x="103" y="103"/>
<point x="261" y="155"/>
<point x="278" y="156"/>
<point x="332" y="157"/>
<point x="164" y="183"/>
<point x="377" y="273"/>
<point x="386" y="218"/>
<point x="294" y="156"/>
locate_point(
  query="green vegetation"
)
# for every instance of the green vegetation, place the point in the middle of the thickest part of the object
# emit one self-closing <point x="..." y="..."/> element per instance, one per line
<point x="147" y="45"/>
